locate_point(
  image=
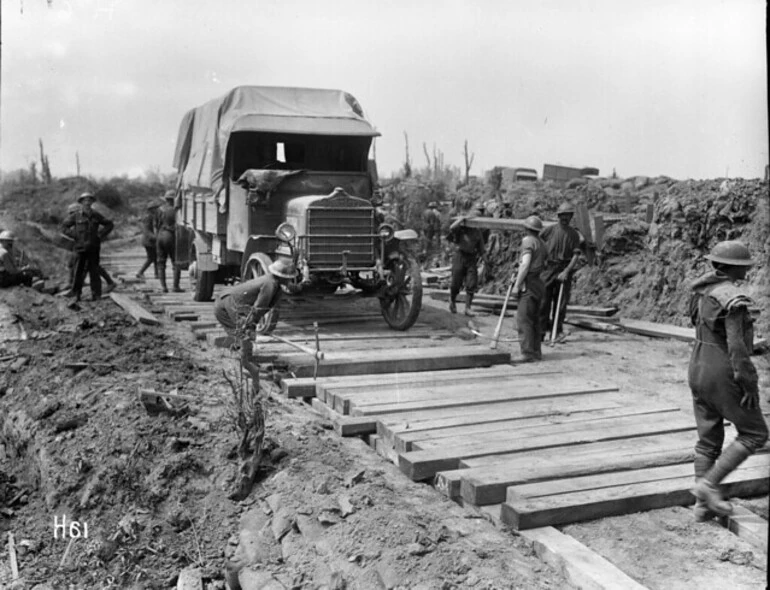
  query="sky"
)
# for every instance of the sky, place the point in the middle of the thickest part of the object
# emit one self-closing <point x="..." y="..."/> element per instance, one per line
<point x="675" y="87"/>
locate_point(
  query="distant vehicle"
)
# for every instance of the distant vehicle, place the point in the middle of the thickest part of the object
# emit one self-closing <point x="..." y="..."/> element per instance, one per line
<point x="564" y="173"/>
<point x="527" y="174"/>
<point x="267" y="172"/>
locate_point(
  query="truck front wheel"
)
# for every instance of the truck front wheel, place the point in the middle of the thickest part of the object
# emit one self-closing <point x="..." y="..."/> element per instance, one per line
<point x="257" y="267"/>
<point x="401" y="299"/>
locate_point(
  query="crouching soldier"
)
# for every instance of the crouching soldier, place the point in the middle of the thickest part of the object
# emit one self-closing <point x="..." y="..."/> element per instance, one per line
<point x="722" y="377"/>
<point x="10" y="273"/>
<point x="240" y="308"/>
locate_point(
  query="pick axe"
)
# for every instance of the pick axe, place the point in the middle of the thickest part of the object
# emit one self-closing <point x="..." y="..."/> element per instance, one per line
<point x="316" y="354"/>
<point x="556" y="315"/>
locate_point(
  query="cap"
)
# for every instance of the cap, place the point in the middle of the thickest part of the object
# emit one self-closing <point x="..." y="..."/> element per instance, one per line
<point x="732" y="253"/>
<point x="533" y="223"/>
<point x="282" y="269"/>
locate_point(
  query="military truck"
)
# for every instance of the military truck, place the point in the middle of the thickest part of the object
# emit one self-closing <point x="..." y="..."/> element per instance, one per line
<point x="268" y="172"/>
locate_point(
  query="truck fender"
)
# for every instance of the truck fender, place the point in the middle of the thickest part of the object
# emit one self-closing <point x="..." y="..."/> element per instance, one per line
<point x="259" y="243"/>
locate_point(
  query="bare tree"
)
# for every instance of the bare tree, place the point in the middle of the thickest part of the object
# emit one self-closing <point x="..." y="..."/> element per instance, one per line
<point x="427" y="157"/>
<point x="407" y="161"/>
<point x="77" y="162"/>
<point x="45" y="169"/>
<point x="468" y="162"/>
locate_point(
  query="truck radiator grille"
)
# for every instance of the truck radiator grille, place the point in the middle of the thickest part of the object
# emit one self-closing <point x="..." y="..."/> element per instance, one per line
<point x="330" y="231"/>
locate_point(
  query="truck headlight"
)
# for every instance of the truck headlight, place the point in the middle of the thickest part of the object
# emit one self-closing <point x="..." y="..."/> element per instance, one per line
<point x="386" y="232"/>
<point x="286" y="232"/>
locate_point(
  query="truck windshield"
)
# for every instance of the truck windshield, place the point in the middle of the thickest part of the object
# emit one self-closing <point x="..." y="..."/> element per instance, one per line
<point x="297" y="152"/>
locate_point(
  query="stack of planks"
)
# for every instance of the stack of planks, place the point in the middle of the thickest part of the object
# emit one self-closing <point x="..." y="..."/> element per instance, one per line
<point x="537" y="448"/>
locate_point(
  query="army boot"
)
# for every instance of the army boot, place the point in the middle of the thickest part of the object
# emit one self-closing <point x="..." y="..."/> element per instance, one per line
<point x="701" y="510"/>
<point x="707" y="489"/>
<point x="177" y="278"/>
<point x="468" y="303"/>
<point x="162" y="277"/>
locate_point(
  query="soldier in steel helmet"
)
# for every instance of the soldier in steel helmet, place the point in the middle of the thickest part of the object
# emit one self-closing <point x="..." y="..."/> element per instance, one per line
<point x="240" y="308"/>
<point x="471" y="246"/>
<point x="528" y="289"/>
<point x="87" y="228"/>
<point x="564" y="244"/>
<point x="150" y="227"/>
<point x="166" y="242"/>
<point x="722" y="377"/>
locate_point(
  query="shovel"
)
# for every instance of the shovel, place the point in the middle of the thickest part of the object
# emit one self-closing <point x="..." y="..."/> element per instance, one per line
<point x="499" y="327"/>
<point x="556" y="316"/>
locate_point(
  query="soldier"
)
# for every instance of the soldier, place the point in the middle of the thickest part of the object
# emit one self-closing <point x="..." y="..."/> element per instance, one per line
<point x="165" y="242"/>
<point x="471" y="244"/>
<point x="564" y="244"/>
<point x="111" y="284"/>
<point x="242" y="306"/>
<point x="10" y="273"/>
<point x="87" y="228"/>
<point x="149" y="239"/>
<point x="722" y="378"/>
<point x="431" y="228"/>
<point x="529" y="289"/>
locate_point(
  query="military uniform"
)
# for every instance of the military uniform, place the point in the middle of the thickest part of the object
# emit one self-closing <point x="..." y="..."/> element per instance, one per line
<point x="165" y="243"/>
<point x="87" y="228"/>
<point x="530" y="299"/>
<point x="562" y="244"/>
<point x="471" y="243"/>
<point x="722" y="377"/>
<point x="149" y="239"/>
<point x="431" y="229"/>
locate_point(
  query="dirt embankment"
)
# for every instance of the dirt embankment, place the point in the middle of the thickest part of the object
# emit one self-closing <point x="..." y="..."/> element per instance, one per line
<point x="643" y="268"/>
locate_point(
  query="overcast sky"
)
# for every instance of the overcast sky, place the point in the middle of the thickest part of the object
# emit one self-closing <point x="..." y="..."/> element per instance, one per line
<point x="675" y="87"/>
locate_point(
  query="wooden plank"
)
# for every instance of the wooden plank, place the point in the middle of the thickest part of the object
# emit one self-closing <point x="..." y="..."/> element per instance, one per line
<point x="416" y="426"/>
<point x="471" y="399"/>
<point x="749" y="527"/>
<point x="581" y="567"/>
<point x="423" y="464"/>
<point x="486" y="485"/>
<point x="524" y="423"/>
<point x="524" y="513"/>
<point x="139" y="313"/>
<point x="496" y="302"/>
<point x="657" y="330"/>
<point x="599" y="232"/>
<point x="348" y="400"/>
<point x="500" y="224"/>
<point x="390" y="361"/>
<point x="393" y="380"/>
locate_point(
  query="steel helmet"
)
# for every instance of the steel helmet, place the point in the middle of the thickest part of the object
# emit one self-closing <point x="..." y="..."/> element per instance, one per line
<point x="85" y="196"/>
<point x="282" y="269"/>
<point x="432" y="205"/>
<point x="170" y="195"/>
<point x="731" y="252"/>
<point x="566" y="207"/>
<point x="7" y="236"/>
<point x="480" y="207"/>
<point x="533" y="223"/>
<point x="72" y="207"/>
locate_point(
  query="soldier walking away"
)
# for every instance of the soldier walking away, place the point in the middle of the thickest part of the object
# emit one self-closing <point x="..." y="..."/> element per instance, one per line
<point x="431" y="229"/>
<point x="564" y="244"/>
<point x="150" y="239"/>
<point x="87" y="228"/>
<point x="11" y="274"/>
<point x="529" y="290"/>
<point x="165" y="242"/>
<point x="722" y="378"/>
<point x="471" y="244"/>
<point x="242" y="306"/>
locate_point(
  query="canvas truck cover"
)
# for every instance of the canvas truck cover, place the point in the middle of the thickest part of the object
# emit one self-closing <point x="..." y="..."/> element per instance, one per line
<point x="204" y="132"/>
